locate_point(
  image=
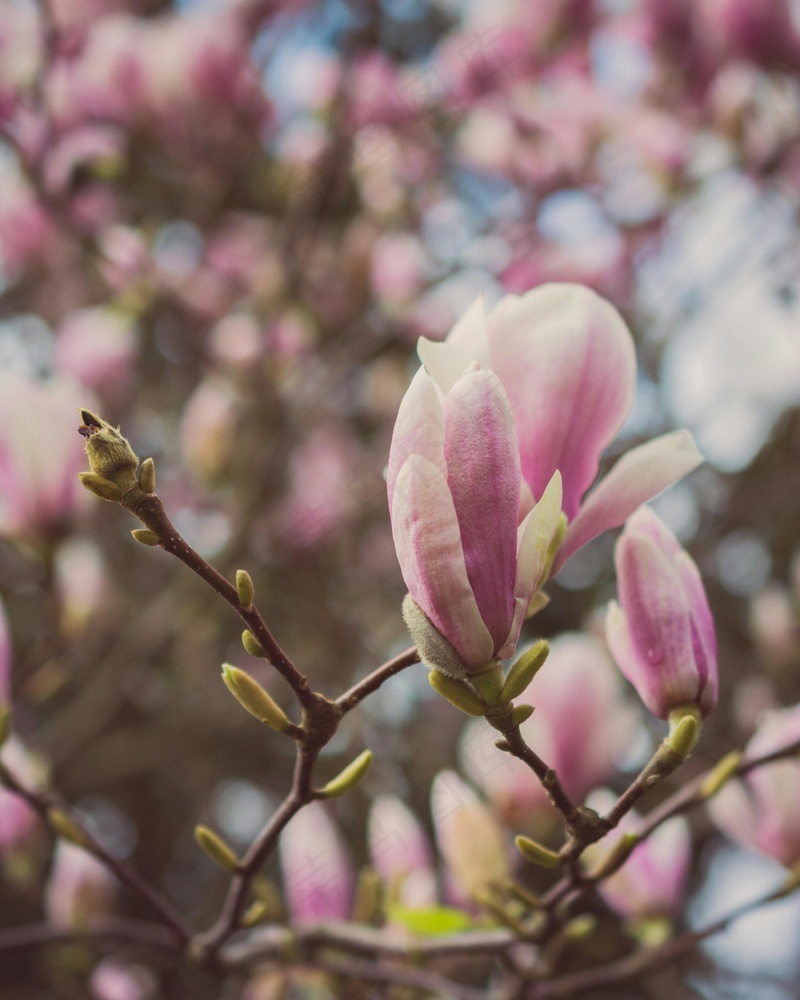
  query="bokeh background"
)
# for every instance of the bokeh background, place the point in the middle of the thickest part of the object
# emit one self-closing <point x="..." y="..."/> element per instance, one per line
<point x="223" y="225"/>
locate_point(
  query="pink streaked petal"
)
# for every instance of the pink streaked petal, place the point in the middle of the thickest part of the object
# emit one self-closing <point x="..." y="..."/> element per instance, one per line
<point x="533" y="540"/>
<point x="641" y="474"/>
<point x="428" y="543"/>
<point x="444" y="362"/>
<point x="470" y="333"/>
<point x="419" y="429"/>
<point x="657" y="612"/>
<point x="566" y="359"/>
<point x="484" y="479"/>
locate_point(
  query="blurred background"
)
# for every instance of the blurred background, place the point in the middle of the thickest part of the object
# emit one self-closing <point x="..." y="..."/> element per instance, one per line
<point x="222" y="226"/>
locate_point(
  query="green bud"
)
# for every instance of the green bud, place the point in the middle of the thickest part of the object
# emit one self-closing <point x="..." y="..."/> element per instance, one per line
<point x="540" y="855"/>
<point x="555" y="545"/>
<point x="146" y="536"/>
<point x="524" y="670"/>
<point x="434" y="650"/>
<point x="367" y="907"/>
<point x="684" y="731"/>
<point x="245" y="588"/>
<point x="520" y="714"/>
<point x="580" y="927"/>
<point x="457" y="693"/>
<point x="488" y="682"/>
<point x="349" y="777"/>
<point x="216" y="848"/>
<point x="65" y="826"/>
<point x="538" y="602"/>
<point x="251" y="696"/>
<point x="720" y="774"/>
<point x="616" y="857"/>
<point x="5" y="723"/>
<point x="102" y="488"/>
<point x="254" y="914"/>
<point x="110" y="456"/>
<point x="147" y="476"/>
<point x="251" y="644"/>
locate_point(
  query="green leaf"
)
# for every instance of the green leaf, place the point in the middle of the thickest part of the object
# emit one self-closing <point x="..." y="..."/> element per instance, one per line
<point x="429" y="921"/>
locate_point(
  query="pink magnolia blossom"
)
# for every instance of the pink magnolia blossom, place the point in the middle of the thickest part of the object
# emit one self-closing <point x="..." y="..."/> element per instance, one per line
<point x="400" y="852"/>
<point x="761" y="811"/>
<point x="662" y="632"/>
<point x="80" y="889"/>
<point x="468" y="837"/>
<point x="40" y="453"/>
<point x="582" y="727"/>
<point x="652" y="882"/>
<point x="566" y="361"/>
<point x="18" y="820"/>
<point x="454" y="497"/>
<point x="97" y="346"/>
<point x="317" y="873"/>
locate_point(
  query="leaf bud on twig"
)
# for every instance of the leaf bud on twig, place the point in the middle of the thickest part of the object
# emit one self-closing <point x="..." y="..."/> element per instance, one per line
<point x="349" y="777"/>
<point x="216" y="849"/>
<point x="245" y="588"/>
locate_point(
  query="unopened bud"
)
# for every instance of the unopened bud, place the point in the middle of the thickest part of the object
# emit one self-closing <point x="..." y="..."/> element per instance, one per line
<point x="251" y="644"/>
<point x="520" y="714"/>
<point x="251" y="696"/>
<point x="146" y="536"/>
<point x="254" y="914"/>
<point x="533" y="851"/>
<point x="684" y="731"/>
<point x="147" y="476"/>
<point x="65" y="826"/>
<point x="110" y="456"/>
<point x="616" y="857"/>
<point x="245" y="588"/>
<point x="367" y="907"/>
<point x="216" y="849"/>
<point x="457" y="693"/>
<point x="349" y="777"/>
<point x="101" y="487"/>
<point x="524" y="670"/>
<point x="434" y="650"/>
<point x="720" y="774"/>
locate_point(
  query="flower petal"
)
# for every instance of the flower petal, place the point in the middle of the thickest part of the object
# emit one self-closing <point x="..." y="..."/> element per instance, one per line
<point x="419" y="429"/>
<point x="428" y="543"/>
<point x="470" y="333"/>
<point x="641" y="473"/>
<point x="483" y="475"/>
<point x="533" y="540"/>
<point x="566" y="359"/>
<point x="444" y="362"/>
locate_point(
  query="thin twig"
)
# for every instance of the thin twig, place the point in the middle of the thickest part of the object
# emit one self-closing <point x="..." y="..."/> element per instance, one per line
<point x="373" y="681"/>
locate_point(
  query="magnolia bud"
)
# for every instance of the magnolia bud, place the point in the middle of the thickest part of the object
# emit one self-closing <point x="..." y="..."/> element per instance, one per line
<point x="147" y="476"/>
<point x="216" y="849"/>
<point x="457" y="693"/>
<point x="146" y="536"/>
<point x="540" y="855"/>
<point x="110" y="456"/>
<point x="251" y="696"/>
<point x="349" y="777"/>
<point x="245" y="588"/>
<point x="434" y="650"/>
<point x="524" y="670"/>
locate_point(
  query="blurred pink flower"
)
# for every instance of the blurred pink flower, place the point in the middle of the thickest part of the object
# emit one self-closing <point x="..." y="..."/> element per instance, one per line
<point x="321" y="494"/>
<point x="18" y="820"/>
<point x="761" y="811"/>
<point x="41" y="453"/>
<point x="652" y="882"/>
<point x="111" y="980"/>
<point x="318" y="876"/>
<point x="583" y="727"/>
<point x="454" y="496"/>
<point x="82" y="583"/>
<point x="400" y="852"/>
<point x="662" y="632"/>
<point x="80" y="890"/>
<point x="468" y="837"/>
<point x="566" y="360"/>
<point x="97" y="346"/>
<point x="207" y="428"/>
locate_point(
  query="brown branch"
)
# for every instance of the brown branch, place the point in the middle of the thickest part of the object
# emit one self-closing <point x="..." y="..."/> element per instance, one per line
<point x="138" y="933"/>
<point x="44" y="802"/>
<point x="373" y="681"/>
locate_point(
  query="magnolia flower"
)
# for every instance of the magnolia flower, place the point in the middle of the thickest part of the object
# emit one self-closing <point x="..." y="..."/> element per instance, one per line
<point x="762" y="810"/>
<point x="566" y="361"/>
<point x="80" y="889"/>
<point x="652" y="881"/>
<point x="317" y="873"/>
<point x="400" y="852"/>
<point x="40" y="454"/>
<point x="468" y="837"/>
<point x="455" y="497"/>
<point x="583" y="726"/>
<point x="662" y="636"/>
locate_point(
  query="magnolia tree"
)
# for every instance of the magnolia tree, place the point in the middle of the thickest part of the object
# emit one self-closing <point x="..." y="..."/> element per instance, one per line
<point x="308" y="257"/>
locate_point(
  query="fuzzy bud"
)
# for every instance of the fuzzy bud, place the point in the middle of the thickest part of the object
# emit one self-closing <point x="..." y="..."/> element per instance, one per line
<point x="252" y="697"/>
<point x="110" y="456"/>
